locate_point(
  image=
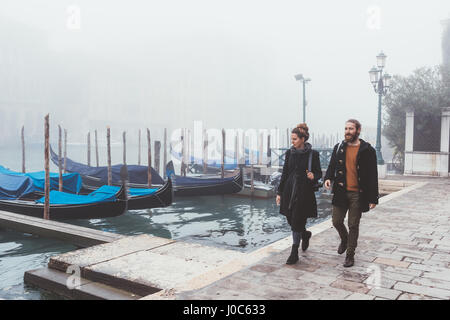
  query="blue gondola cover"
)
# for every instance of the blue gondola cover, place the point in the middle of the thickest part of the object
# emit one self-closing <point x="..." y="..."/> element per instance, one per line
<point x="14" y="186"/>
<point x="71" y="181"/>
<point x="136" y="174"/>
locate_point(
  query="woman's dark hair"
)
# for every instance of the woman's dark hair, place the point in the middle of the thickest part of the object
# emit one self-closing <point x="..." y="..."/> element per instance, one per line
<point x="301" y="130"/>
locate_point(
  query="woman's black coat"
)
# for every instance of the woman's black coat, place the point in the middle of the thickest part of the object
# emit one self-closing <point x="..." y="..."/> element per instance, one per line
<point x="304" y="204"/>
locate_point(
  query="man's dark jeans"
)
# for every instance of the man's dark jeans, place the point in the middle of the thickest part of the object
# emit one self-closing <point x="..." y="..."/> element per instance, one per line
<point x="354" y="216"/>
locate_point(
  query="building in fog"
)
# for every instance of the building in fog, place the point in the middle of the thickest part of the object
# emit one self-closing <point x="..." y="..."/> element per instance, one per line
<point x="428" y="153"/>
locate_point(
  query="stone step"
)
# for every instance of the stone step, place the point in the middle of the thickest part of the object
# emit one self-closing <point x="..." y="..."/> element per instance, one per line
<point x="63" y="284"/>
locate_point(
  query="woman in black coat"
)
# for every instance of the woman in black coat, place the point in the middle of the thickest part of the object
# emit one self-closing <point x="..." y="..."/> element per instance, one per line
<point x="296" y="190"/>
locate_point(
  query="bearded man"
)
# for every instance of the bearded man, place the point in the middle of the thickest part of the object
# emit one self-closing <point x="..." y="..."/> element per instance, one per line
<point x="353" y="169"/>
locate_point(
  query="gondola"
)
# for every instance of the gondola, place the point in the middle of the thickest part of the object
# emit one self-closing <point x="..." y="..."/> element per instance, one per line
<point x="204" y="186"/>
<point x="94" y="177"/>
<point x="81" y="208"/>
<point x="143" y="198"/>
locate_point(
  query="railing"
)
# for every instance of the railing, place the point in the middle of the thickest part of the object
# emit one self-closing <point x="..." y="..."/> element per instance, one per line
<point x="324" y="156"/>
<point x="277" y="159"/>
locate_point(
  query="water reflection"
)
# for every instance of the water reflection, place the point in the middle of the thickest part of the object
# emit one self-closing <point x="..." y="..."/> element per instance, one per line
<point x="229" y="221"/>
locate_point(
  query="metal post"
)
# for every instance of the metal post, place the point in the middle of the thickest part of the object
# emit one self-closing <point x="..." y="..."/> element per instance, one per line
<point x="304" y="100"/>
<point x="378" y="144"/>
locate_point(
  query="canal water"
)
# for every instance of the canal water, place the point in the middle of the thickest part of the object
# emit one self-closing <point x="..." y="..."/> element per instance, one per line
<point x="228" y="221"/>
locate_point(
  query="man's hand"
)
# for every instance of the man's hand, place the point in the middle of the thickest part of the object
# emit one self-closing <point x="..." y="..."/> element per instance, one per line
<point x="278" y="200"/>
<point x="310" y="175"/>
<point x="327" y="184"/>
<point x="372" y="205"/>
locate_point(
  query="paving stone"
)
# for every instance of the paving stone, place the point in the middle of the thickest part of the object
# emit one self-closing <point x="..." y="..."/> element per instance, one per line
<point x="385" y="293"/>
<point x="392" y="262"/>
<point x="350" y="286"/>
<point x="441" y="257"/>
<point x="360" y="296"/>
<point x="264" y="268"/>
<point x="353" y="276"/>
<point x="413" y="260"/>
<point x="435" y="283"/>
<point x="396" y="276"/>
<point x="423" y="290"/>
<point x="330" y="293"/>
<point x="411" y="296"/>
<point x="444" y="275"/>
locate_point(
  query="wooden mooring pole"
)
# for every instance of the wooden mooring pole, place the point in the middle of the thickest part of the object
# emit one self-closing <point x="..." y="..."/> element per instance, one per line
<point x="183" y="164"/>
<point x="236" y="149"/>
<point x="89" y="149"/>
<point x="65" y="150"/>
<point x="243" y="148"/>
<point x="157" y="155"/>
<point x="222" y="173"/>
<point x="23" y="149"/>
<point x="60" y="180"/>
<point x="108" y="147"/>
<point x="47" y="169"/>
<point x="124" y="147"/>
<point x="165" y="152"/>
<point x="139" y="148"/>
<point x="205" y="151"/>
<point x="149" y="153"/>
<point x="96" y="148"/>
<point x="288" y="140"/>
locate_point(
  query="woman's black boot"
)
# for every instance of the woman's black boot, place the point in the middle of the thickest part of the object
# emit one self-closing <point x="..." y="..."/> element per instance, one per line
<point x="305" y="239"/>
<point x="293" y="258"/>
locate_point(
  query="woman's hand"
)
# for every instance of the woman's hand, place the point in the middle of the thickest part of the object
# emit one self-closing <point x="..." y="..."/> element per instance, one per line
<point x="278" y="200"/>
<point x="310" y="175"/>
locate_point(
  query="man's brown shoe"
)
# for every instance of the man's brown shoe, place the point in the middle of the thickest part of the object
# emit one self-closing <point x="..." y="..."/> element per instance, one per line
<point x="342" y="247"/>
<point x="349" y="261"/>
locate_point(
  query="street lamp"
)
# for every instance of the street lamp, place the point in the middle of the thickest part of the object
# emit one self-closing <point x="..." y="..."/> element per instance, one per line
<point x="381" y="83"/>
<point x="299" y="77"/>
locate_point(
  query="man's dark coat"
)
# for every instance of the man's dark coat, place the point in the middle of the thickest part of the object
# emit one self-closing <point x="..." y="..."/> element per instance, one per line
<point x="366" y="166"/>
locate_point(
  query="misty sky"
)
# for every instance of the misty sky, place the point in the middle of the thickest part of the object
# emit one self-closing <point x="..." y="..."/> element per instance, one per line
<point x="232" y="63"/>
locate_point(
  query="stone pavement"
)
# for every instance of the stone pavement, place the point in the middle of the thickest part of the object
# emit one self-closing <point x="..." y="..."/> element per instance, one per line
<point x="403" y="253"/>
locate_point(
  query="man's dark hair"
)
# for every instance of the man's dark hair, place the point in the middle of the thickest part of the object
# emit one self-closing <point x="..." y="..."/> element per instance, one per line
<point x="356" y="123"/>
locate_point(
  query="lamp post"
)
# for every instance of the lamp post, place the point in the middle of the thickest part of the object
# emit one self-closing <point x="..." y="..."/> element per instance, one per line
<point x="299" y="77"/>
<point x="381" y="83"/>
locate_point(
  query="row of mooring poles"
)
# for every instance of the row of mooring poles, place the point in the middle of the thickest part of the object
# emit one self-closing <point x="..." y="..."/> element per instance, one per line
<point x="62" y="167"/>
<point x="187" y="147"/>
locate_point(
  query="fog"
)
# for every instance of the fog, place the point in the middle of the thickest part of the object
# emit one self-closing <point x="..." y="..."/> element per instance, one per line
<point x="229" y="64"/>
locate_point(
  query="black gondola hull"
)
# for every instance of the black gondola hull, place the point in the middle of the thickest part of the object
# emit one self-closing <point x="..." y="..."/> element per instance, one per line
<point x="227" y="187"/>
<point x="64" y="212"/>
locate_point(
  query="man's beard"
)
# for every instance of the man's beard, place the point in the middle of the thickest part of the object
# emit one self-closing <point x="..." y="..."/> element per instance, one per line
<point x="351" y="137"/>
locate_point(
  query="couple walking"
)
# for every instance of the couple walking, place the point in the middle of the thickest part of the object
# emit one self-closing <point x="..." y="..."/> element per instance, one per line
<point x="352" y="173"/>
